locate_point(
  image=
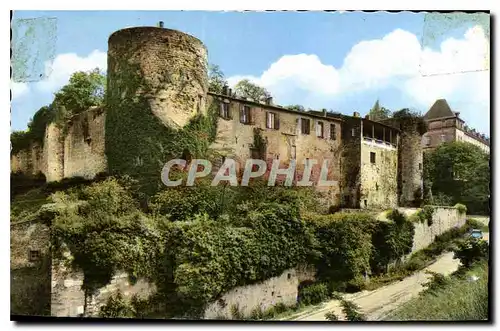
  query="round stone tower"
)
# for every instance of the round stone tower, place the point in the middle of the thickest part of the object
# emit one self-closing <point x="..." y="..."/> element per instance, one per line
<point x="166" y="67"/>
<point x="411" y="166"/>
<point x="156" y="83"/>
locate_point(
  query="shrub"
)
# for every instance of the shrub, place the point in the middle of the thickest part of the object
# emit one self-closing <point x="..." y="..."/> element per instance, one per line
<point x="391" y="241"/>
<point x="116" y="307"/>
<point x="330" y="316"/>
<point x="313" y="294"/>
<point x="344" y="243"/>
<point x="351" y="310"/>
<point x="206" y="258"/>
<point x="472" y="223"/>
<point x="472" y="251"/>
<point x="462" y="209"/>
<point x="437" y="281"/>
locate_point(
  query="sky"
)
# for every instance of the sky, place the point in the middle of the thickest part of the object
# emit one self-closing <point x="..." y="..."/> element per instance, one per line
<point x="343" y="62"/>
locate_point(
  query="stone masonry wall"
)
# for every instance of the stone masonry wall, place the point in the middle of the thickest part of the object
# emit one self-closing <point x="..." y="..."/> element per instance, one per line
<point x="29" y="276"/>
<point x="68" y="298"/>
<point x="236" y="139"/>
<point x="411" y="169"/>
<point x="379" y="179"/>
<point x="280" y="289"/>
<point x="443" y="219"/>
<point x="84" y="145"/>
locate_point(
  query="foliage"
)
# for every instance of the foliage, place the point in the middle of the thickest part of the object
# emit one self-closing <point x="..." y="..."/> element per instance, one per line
<point x="351" y="310"/>
<point x="299" y="108"/>
<point x="116" y="307"/>
<point x="410" y="120"/>
<point x="35" y="132"/>
<point x="460" y="171"/>
<point x="84" y="90"/>
<point x="106" y="233"/>
<point x="472" y="223"/>
<point x="247" y="89"/>
<point x="206" y="258"/>
<point x="457" y="300"/>
<point x="378" y="113"/>
<point x="139" y="144"/>
<point x="216" y="79"/>
<point x="436" y="282"/>
<point x="391" y="241"/>
<point x="344" y="242"/>
<point x="330" y="316"/>
<point x="424" y="215"/>
<point x="462" y="209"/>
<point x="313" y="294"/>
<point x="471" y="251"/>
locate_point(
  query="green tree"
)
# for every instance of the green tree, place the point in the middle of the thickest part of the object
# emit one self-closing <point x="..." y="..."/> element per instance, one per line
<point x="460" y="171"/>
<point x="247" y="89"/>
<point x="378" y="113"/>
<point x="84" y="90"/>
<point x="216" y="79"/>
<point x="296" y="107"/>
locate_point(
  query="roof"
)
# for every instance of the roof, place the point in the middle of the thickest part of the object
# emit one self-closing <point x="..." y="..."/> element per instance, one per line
<point x="276" y="107"/>
<point x="439" y="109"/>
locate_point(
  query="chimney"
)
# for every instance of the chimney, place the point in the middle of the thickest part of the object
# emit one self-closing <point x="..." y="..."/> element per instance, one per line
<point x="367" y="117"/>
<point x="355" y="114"/>
<point x="269" y="101"/>
<point x="457" y="113"/>
<point x="224" y="90"/>
<point x="230" y="92"/>
<point x="160" y="24"/>
<point x="324" y="112"/>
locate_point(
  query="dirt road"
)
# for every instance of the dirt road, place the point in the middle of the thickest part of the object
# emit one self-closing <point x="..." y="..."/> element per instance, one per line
<point x="378" y="303"/>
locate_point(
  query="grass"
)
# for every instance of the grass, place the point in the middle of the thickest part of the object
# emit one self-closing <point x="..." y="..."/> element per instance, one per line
<point x="457" y="299"/>
<point x="24" y="206"/>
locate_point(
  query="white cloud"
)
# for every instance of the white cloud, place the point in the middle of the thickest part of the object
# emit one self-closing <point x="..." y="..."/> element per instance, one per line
<point x="398" y="61"/>
<point x="64" y="65"/>
<point x="18" y="89"/>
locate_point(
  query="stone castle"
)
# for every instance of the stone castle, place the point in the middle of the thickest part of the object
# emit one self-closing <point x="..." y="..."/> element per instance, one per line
<point x="376" y="165"/>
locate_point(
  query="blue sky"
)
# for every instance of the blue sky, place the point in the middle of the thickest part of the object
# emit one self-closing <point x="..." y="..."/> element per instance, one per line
<point x="338" y="61"/>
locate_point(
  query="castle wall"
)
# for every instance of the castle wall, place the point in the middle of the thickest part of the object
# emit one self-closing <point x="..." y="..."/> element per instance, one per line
<point x="84" y="145"/>
<point x="280" y="289"/>
<point x="378" y="179"/>
<point x="236" y="140"/>
<point x="411" y="169"/>
<point x="167" y="67"/>
<point x="443" y="219"/>
<point x="68" y="298"/>
<point x="53" y="153"/>
<point x="29" y="275"/>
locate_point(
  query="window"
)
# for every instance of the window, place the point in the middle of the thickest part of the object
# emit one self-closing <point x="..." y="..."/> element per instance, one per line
<point x="420" y="166"/>
<point x="353" y="132"/>
<point x="305" y="126"/>
<point x="34" y="255"/>
<point x="372" y="157"/>
<point x="427" y="141"/>
<point x="333" y="132"/>
<point x="272" y="121"/>
<point x="245" y="115"/>
<point x="293" y="152"/>
<point x="443" y="138"/>
<point x="319" y="130"/>
<point x="224" y="110"/>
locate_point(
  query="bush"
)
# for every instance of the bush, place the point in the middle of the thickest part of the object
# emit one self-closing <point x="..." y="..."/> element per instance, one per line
<point x="472" y="251"/>
<point x="206" y="258"/>
<point x="351" y="310"/>
<point x="313" y="294"/>
<point x="344" y="243"/>
<point x="437" y="281"/>
<point x="330" y="316"/>
<point x="472" y="223"/>
<point x="462" y="209"/>
<point x="116" y="307"/>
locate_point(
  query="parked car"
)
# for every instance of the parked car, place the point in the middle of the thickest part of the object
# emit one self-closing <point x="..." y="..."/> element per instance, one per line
<point x="475" y="234"/>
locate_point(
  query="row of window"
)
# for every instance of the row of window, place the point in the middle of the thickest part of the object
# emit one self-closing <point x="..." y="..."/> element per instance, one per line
<point x="272" y="121"/>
